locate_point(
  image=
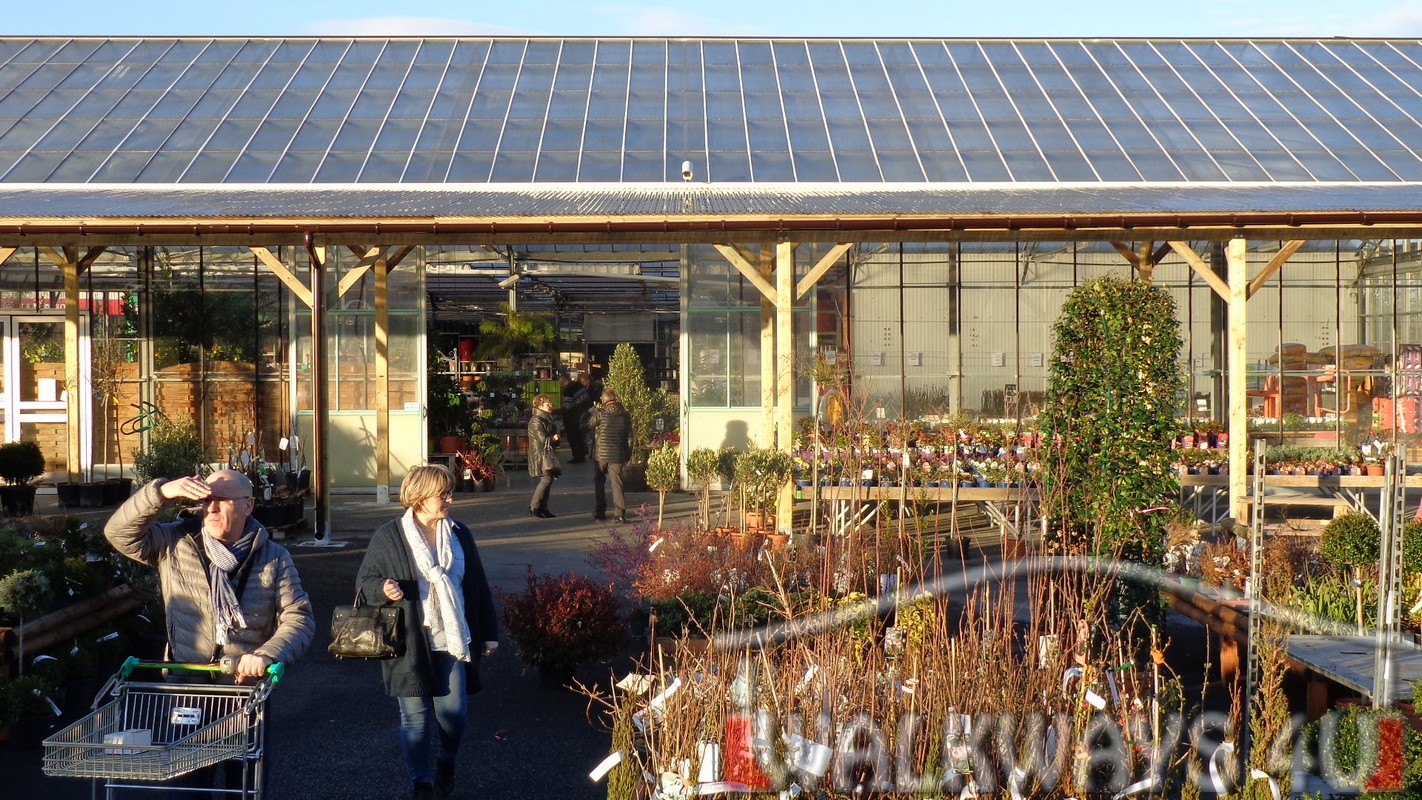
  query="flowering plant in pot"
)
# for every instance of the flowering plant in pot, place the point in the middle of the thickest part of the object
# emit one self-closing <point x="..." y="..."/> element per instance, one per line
<point x="560" y="621"/>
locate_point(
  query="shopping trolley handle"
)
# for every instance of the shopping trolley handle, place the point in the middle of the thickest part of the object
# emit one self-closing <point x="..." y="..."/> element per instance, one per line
<point x="227" y="665"/>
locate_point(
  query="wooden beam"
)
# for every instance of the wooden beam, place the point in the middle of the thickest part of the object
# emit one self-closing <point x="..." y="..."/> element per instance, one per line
<point x="1201" y="268"/>
<point x="367" y="260"/>
<point x="818" y="271"/>
<point x="393" y="261"/>
<point x="382" y="379"/>
<point x="785" y="370"/>
<point x="72" y="408"/>
<point x="6" y="252"/>
<point x="767" y="350"/>
<point x="1145" y="267"/>
<point x="293" y="283"/>
<point x="1159" y="253"/>
<point x="1127" y="253"/>
<point x="1275" y="264"/>
<point x="1237" y="384"/>
<point x="732" y="253"/>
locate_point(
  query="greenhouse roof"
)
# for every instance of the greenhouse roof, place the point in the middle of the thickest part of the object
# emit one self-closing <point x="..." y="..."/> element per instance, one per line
<point x="742" y="111"/>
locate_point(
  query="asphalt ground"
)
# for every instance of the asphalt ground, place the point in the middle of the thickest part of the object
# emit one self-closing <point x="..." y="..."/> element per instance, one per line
<point x="333" y="732"/>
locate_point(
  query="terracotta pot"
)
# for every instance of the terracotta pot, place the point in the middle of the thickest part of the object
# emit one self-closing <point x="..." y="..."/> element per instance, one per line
<point x="777" y="540"/>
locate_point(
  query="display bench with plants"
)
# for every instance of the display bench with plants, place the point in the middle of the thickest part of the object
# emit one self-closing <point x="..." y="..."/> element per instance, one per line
<point x="70" y="611"/>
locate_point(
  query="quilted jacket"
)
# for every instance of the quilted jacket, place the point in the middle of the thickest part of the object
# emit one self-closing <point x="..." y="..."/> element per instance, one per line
<point x="275" y="607"/>
<point x="613" y="425"/>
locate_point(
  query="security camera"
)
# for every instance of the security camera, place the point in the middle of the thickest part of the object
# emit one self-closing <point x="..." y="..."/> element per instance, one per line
<point x="686" y="170"/>
<point x="509" y="282"/>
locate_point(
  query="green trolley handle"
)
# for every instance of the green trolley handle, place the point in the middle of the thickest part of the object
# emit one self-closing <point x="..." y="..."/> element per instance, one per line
<point x="227" y="665"/>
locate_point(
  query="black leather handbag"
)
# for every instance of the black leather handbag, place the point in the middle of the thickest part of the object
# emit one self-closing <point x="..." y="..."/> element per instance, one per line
<point x="552" y="467"/>
<point x="366" y="632"/>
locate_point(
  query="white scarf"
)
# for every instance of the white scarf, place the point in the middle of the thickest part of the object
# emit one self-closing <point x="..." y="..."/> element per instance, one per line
<point x="442" y="606"/>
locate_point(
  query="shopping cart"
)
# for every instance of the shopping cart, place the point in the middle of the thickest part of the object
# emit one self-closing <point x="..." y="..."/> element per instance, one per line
<point x="154" y="732"/>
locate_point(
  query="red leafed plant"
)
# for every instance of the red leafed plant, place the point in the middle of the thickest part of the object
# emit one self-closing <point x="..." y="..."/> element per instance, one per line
<point x="560" y="621"/>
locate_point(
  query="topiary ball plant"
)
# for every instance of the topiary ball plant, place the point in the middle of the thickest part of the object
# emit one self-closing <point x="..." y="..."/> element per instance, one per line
<point x="1350" y="541"/>
<point x="20" y="462"/>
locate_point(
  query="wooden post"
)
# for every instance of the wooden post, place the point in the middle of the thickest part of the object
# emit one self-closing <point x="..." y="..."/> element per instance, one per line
<point x="1236" y="258"/>
<point x="382" y="381"/>
<point x="785" y="373"/>
<point x="320" y="393"/>
<point x="75" y="455"/>
<point x="767" y="351"/>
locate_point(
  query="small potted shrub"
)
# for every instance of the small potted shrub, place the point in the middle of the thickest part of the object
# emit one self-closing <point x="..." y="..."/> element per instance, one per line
<point x="20" y="464"/>
<point x="663" y="475"/>
<point x="24" y="594"/>
<point x="759" y="474"/>
<point x="703" y="467"/>
<point x="560" y="621"/>
<point x="1350" y="544"/>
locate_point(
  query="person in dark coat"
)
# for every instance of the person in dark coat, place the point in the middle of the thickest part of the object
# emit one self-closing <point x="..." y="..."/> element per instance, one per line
<point x="577" y="401"/>
<point x="612" y="448"/>
<point x="542" y="435"/>
<point x="428" y="564"/>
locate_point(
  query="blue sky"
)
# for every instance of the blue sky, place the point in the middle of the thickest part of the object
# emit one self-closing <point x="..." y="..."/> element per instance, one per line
<point x="935" y="18"/>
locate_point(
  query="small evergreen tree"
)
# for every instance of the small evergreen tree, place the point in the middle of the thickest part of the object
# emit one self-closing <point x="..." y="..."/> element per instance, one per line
<point x="626" y="375"/>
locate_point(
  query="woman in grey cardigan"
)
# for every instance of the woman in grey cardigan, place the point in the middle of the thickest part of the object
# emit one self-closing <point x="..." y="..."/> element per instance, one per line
<point x="427" y="563"/>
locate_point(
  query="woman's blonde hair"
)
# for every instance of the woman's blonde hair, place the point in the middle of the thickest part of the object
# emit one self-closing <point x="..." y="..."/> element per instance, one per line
<point x="541" y="399"/>
<point x="422" y="483"/>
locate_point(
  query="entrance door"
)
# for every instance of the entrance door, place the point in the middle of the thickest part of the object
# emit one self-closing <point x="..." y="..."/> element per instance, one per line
<point x="33" y="395"/>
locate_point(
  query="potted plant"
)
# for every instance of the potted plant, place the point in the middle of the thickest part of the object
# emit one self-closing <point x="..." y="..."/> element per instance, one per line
<point x="560" y="621"/>
<point x="702" y="467"/>
<point x="759" y="474"/>
<point x="20" y="463"/>
<point x="1350" y="544"/>
<point x="663" y="475"/>
<point x="174" y="450"/>
<point x="26" y="707"/>
<point x="24" y="594"/>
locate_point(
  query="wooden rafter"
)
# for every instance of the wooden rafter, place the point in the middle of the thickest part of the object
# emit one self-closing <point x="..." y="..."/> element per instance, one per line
<point x="298" y="289"/>
<point x="1201" y="268"/>
<point x="818" y="271"/>
<point x="1127" y="253"/>
<point x="368" y="258"/>
<point x="70" y="256"/>
<point x="733" y="254"/>
<point x="1275" y="264"/>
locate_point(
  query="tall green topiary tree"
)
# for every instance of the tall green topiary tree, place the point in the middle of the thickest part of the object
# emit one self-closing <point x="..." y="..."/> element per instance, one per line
<point x="1110" y="416"/>
<point x="626" y="375"/>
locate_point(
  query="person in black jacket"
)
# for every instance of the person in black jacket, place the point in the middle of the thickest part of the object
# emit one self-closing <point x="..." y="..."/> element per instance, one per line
<point x="428" y="564"/>
<point x="542" y="435"/>
<point x="612" y="447"/>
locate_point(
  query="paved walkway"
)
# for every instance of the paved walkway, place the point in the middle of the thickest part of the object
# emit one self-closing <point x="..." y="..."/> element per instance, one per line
<point x="333" y="730"/>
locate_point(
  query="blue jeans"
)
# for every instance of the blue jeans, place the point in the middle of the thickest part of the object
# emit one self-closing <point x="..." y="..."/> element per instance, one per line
<point x="444" y="711"/>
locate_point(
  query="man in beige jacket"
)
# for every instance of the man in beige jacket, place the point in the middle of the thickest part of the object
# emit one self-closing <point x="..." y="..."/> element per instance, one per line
<point x="228" y="589"/>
